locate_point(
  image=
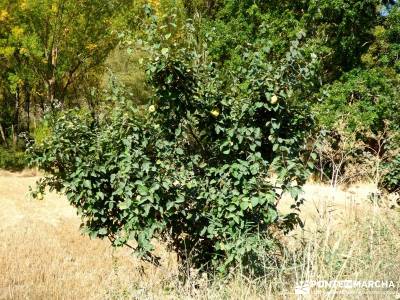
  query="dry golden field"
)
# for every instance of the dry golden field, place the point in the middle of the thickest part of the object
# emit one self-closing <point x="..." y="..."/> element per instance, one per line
<point x="44" y="256"/>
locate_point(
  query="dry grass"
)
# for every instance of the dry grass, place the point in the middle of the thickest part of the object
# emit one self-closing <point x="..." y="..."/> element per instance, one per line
<point x="43" y="255"/>
<point x="347" y="237"/>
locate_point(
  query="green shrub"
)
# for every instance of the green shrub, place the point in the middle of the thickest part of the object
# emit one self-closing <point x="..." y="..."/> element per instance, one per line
<point x="13" y="160"/>
<point x="391" y="179"/>
<point x="41" y="132"/>
<point x="201" y="168"/>
<point x="363" y="100"/>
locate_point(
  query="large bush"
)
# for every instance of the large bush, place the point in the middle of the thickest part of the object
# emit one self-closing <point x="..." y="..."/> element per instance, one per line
<point x="202" y="167"/>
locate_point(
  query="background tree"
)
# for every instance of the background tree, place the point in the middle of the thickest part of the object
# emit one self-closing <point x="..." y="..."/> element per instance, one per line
<point x="49" y="51"/>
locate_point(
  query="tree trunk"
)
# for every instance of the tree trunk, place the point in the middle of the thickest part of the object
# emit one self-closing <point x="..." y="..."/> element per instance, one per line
<point x="3" y="135"/>
<point x="52" y="78"/>
<point x="15" y="126"/>
<point x="27" y="106"/>
<point x="14" y="136"/>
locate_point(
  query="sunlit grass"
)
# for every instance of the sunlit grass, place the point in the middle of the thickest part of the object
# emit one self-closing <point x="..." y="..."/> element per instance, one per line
<point x="43" y="255"/>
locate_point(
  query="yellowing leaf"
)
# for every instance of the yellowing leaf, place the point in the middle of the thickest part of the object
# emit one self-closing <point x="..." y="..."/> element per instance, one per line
<point x="215" y="112"/>
<point x="24" y="51"/>
<point x="7" y="51"/>
<point x="155" y="4"/>
<point x="24" y="4"/>
<point x="3" y="15"/>
<point x="91" y="46"/>
<point x="54" y="8"/>
<point x="152" y="108"/>
<point x="17" y="31"/>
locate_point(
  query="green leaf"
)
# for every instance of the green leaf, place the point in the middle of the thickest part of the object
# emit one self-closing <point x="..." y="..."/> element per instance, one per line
<point x="103" y="231"/>
<point x="254" y="169"/>
<point x="244" y="205"/>
<point x="146" y="208"/>
<point x="100" y="195"/>
<point x="125" y="205"/>
<point x="236" y="219"/>
<point x="164" y="51"/>
<point x="180" y="199"/>
<point x="87" y="184"/>
<point x="231" y="208"/>
<point x="254" y="201"/>
<point x="143" y="190"/>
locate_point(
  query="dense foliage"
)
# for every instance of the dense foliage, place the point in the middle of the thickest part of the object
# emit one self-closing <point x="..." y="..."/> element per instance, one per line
<point x="203" y="168"/>
<point x="51" y="53"/>
<point x="238" y="95"/>
<point x="365" y="100"/>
